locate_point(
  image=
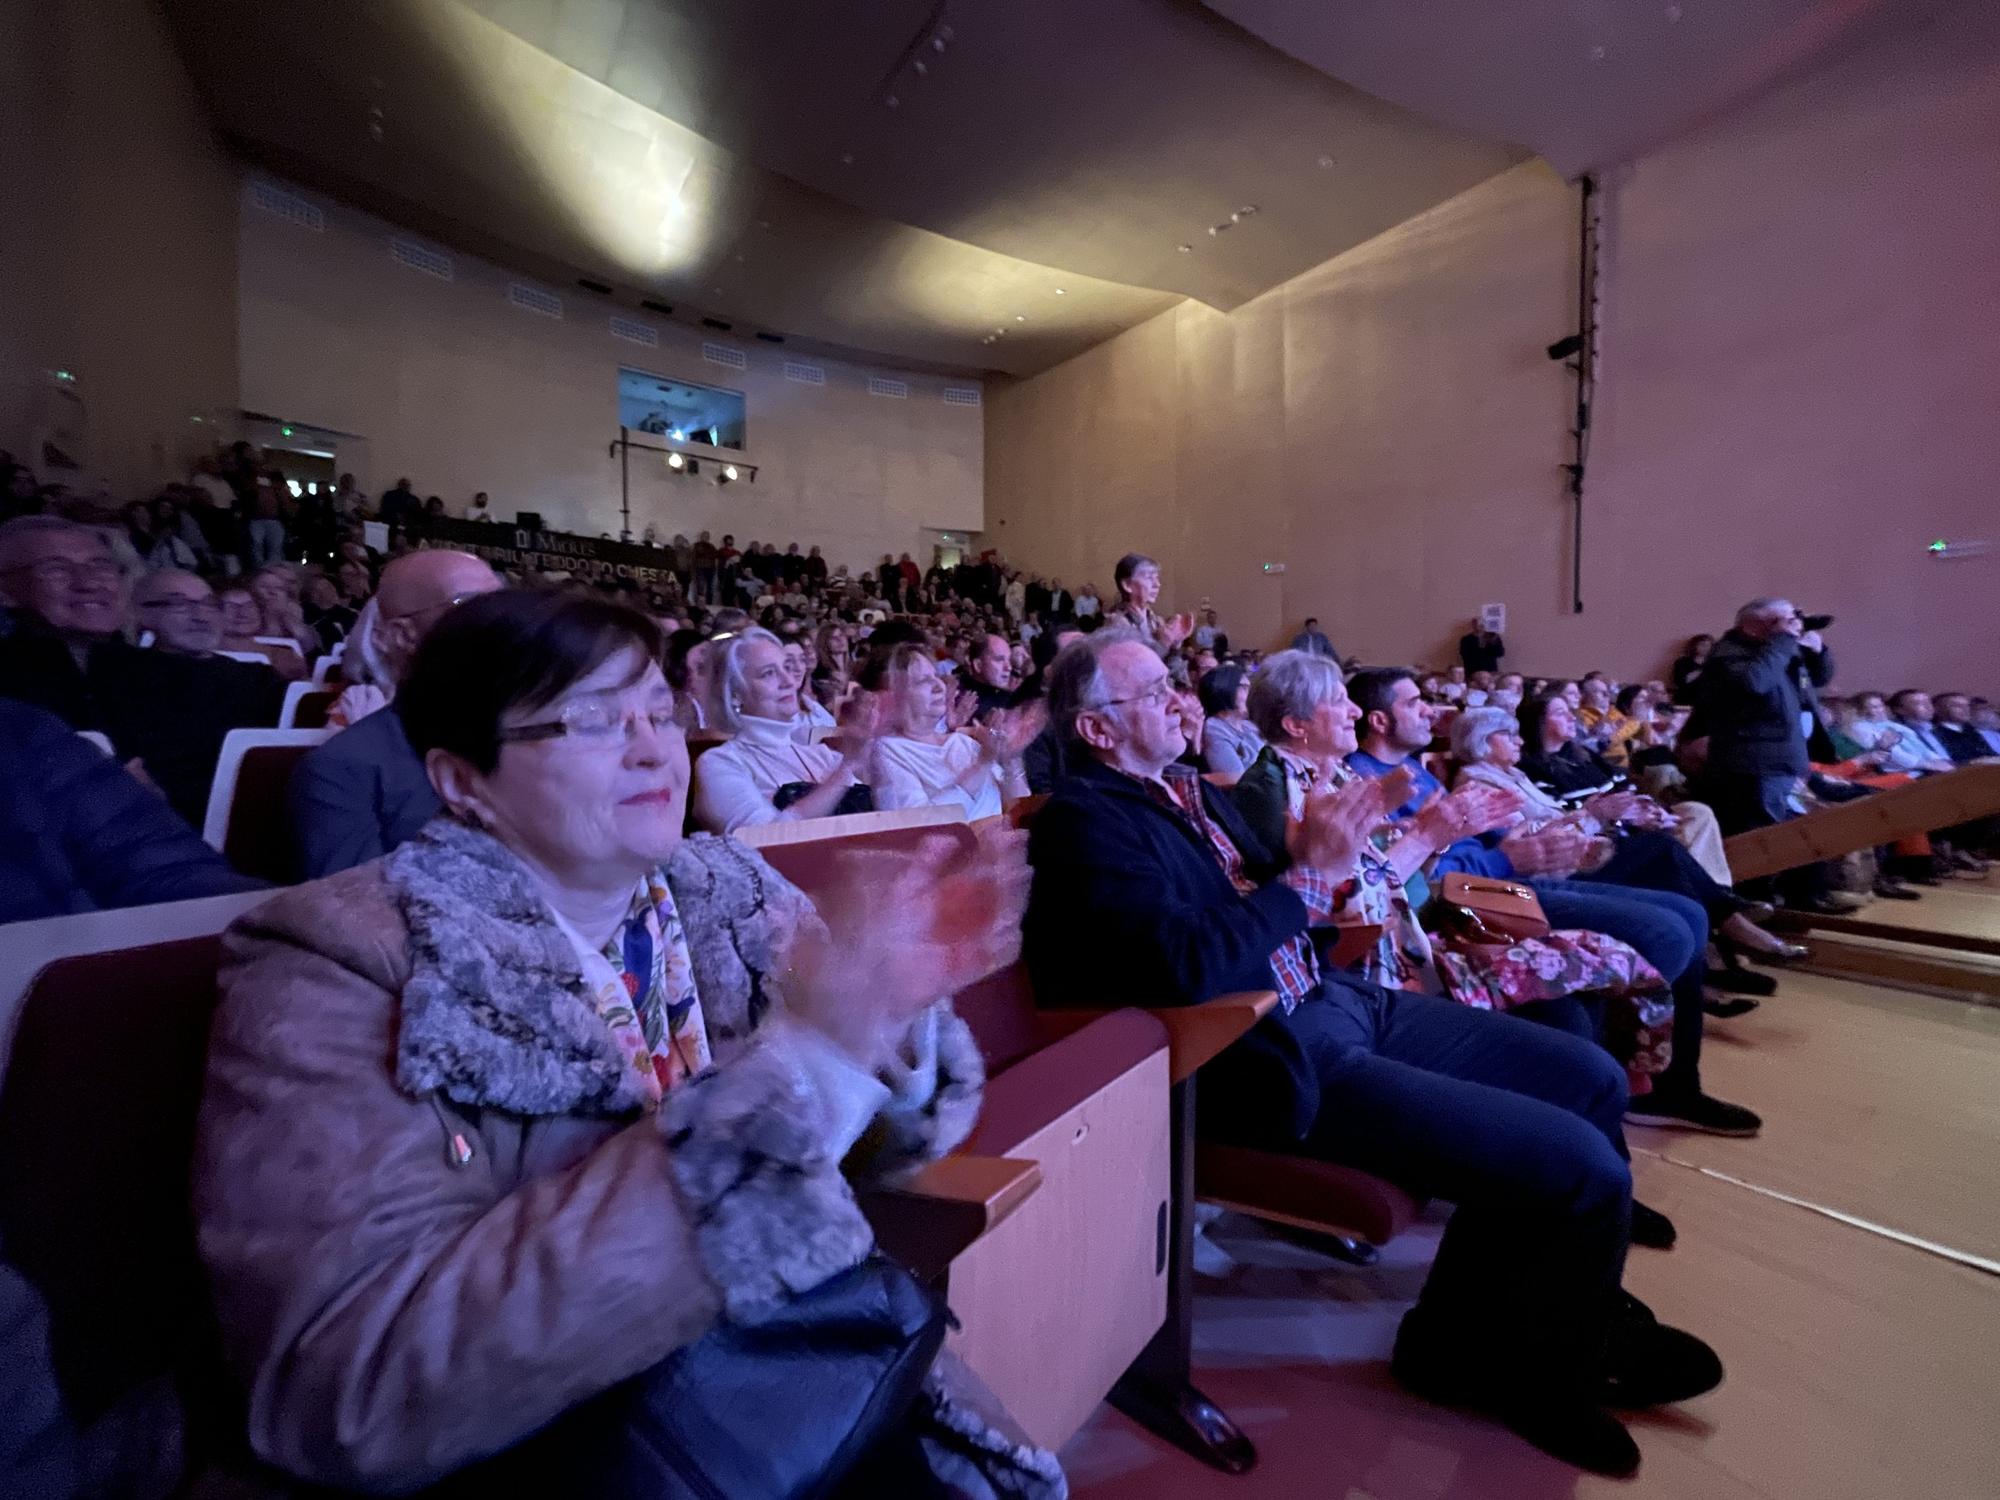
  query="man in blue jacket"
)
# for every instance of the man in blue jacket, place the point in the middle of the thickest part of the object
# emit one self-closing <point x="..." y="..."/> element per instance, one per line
<point x="78" y="833"/>
<point x="1150" y="889"/>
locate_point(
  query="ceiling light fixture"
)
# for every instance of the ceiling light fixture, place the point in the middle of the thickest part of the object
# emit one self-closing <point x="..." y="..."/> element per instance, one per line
<point x="676" y="462"/>
<point x="920" y="67"/>
<point x="1060" y="292"/>
<point x="1187" y="249"/>
<point x="1020" y="317"/>
<point x="1325" y="162"/>
<point x="892" y="101"/>
<point x="728" y="474"/>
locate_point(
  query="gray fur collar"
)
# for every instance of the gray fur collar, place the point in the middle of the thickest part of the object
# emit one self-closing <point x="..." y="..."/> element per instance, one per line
<point x="495" y="1013"/>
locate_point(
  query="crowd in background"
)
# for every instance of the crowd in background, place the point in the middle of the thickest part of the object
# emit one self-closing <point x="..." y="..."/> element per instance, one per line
<point x="516" y="758"/>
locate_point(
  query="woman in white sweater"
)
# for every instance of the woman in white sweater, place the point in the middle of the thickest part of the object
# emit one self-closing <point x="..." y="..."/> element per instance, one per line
<point x="742" y="783"/>
<point x="922" y="762"/>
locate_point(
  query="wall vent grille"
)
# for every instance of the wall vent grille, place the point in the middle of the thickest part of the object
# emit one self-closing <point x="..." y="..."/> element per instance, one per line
<point x="722" y="354"/>
<point x="290" y="207"/>
<point x="805" y="374"/>
<point x="896" y="390"/>
<point x="634" y="332"/>
<point x="533" y="299"/>
<point x="420" y="258"/>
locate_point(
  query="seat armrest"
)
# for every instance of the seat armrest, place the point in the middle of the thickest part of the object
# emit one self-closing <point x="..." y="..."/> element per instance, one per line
<point x="1344" y="944"/>
<point x="926" y="1220"/>
<point x="1196" y="1034"/>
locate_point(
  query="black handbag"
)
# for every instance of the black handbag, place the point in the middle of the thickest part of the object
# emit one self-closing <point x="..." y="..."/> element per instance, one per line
<point x="782" y="1409"/>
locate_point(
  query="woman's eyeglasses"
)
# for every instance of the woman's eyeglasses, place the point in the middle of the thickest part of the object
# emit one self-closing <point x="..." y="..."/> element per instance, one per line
<point x="593" y="723"/>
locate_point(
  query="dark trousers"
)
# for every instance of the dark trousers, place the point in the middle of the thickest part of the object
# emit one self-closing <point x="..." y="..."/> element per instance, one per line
<point x="1671" y="934"/>
<point x="1743" y="801"/>
<point x="1518" y="1125"/>
<point x="1656" y="861"/>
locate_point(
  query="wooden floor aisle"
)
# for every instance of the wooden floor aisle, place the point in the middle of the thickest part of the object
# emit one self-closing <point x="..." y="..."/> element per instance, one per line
<point x="1859" y="1365"/>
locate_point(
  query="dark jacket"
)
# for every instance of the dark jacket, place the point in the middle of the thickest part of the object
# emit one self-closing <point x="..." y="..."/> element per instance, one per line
<point x="1130" y="906"/>
<point x="38" y="1458"/>
<point x="1748" y="700"/>
<point x="1479" y="652"/>
<point x="1263" y="799"/>
<point x="169" y="711"/>
<point x="1962" y="741"/>
<point x="80" y="834"/>
<point x="358" y="796"/>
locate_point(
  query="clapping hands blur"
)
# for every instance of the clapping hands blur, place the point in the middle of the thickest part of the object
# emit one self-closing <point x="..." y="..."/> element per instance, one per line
<point x="1006" y="733"/>
<point x="904" y="930"/>
<point x="1335" y="824"/>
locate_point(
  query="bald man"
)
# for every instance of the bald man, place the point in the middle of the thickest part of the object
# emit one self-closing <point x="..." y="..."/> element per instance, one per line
<point x="364" y="791"/>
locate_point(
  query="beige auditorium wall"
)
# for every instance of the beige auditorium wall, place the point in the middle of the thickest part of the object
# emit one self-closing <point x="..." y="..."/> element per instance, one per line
<point x="1801" y="365"/>
<point x="451" y="384"/>
<point x="118" y="256"/>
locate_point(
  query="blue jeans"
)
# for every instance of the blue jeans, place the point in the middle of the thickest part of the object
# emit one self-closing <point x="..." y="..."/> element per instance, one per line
<point x="1671" y="934"/>
<point x="1516" y="1124"/>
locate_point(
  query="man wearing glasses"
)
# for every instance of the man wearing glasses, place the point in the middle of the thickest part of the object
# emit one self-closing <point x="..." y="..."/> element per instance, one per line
<point x="365" y="791"/>
<point x="64" y="650"/>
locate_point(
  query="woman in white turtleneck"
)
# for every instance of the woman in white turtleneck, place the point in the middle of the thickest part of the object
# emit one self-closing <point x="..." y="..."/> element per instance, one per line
<point x="756" y="701"/>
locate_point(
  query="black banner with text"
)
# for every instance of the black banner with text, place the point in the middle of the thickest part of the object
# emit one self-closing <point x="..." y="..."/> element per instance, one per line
<point x="514" y="547"/>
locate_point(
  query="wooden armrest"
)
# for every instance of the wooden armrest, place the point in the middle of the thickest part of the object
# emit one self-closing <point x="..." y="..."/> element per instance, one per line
<point x="1343" y="944"/>
<point x="925" y="1221"/>
<point x="1195" y="1033"/>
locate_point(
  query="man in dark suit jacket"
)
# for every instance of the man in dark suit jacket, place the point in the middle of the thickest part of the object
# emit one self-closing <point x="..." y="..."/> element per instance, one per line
<point x="1149" y="887"/>
<point x="365" y="791"/>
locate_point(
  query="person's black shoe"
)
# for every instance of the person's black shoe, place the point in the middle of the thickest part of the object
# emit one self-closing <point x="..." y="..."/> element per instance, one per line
<point x="1740" y="981"/>
<point x="1889" y="888"/>
<point x="1567" y="1421"/>
<point x="1668" y="1110"/>
<point x="1652" y="1229"/>
<point x="1646" y="1363"/>
<point x="1730" y="1009"/>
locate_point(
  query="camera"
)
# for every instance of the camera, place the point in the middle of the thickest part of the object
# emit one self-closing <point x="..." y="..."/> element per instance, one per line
<point x="1815" y="622"/>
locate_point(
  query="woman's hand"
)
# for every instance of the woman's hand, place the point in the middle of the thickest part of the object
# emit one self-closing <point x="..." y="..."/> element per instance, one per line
<point x="1193" y="716"/>
<point x="964" y="704"/>
<point x="903" y="931"/>
<point x="1176" y="629"/>
<point x="1006" y="734"/>
<point x="1334" y="825"/>
<point x="1558" y="849"/>
<point x="357" y="702"/>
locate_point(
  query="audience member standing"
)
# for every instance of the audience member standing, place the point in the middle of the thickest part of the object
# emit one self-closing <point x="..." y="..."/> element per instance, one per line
<point x="1312" y="640"/>
<point x="365" y="791"/>
<point x="1137" y="578"/>
<point x="1480" y="649"/>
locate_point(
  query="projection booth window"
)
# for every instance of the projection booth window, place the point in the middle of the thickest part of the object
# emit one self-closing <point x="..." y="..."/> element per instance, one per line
<point x="679" y="410"/>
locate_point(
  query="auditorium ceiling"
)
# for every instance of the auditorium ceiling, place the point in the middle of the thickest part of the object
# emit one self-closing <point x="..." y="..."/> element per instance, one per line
<point x="989" y="186"/>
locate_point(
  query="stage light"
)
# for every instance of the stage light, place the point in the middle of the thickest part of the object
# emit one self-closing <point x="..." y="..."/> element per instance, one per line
<point x="728" y="474"/>
<point x="675" y="461"/>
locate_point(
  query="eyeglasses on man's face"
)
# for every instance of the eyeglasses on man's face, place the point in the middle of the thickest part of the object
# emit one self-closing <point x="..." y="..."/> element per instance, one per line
<point x="64" y="572"/>
<point x="207" y="606"/>
<point x="595" y="723"/>
<point x="1161" y="691"/>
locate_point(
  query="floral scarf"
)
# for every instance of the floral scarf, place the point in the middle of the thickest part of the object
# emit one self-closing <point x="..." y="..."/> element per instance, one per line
<point x="641" y="984"/>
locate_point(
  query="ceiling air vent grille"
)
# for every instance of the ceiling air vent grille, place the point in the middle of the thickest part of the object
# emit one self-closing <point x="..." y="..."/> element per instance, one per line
<point x="722" y="354"/>
<point x="290" y="207"/>
<point x="896" y="390"/>
<point x="959" y="395"/>
<point x="634" y="332"/>
<point x="420" y="258"/>
<point x="533" y="299"/>
<point x="805" y="374"/>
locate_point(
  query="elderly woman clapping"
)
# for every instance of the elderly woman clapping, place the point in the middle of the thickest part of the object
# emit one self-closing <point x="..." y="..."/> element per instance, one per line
<point x="1633" y="848"/>
<point x="507" y="1117"/>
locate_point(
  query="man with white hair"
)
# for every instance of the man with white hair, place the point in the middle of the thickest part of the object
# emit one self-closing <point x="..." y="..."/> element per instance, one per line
<point x="365" y="791"/>
<point x="1149" y="884"/>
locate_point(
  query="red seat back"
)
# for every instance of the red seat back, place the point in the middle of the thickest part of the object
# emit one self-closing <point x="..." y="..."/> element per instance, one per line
<point x="259" y="840"/>
<point x="97" y="1116"/>
<point x="814" y="864"/>
<point x="313" y="708"/>
<point x="1000" y="1009"/>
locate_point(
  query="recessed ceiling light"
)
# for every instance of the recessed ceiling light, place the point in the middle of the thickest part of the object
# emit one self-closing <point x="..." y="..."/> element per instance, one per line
<point x="1599" y="53"/>
<point x="937" y="44"/>
<point x="921" y="67"/>
<point x="1020" y="317"/>
<point x="1245" y="211"/>
<point x="1187" y="249"/>
<point x="892" y="101"/>
<point x="1060" y="292"/>
<point x="1215" y="229"/>
<point x="1325" y="161"/>
<point x="847" y="158"/>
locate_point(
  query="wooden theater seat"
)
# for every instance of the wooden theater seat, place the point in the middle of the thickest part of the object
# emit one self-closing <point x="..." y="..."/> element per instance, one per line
<point x="246" y="805"/>
<point x="1082" y="1267"/>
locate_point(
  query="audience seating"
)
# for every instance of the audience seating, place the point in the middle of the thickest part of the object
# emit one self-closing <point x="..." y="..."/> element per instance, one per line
<point x="95" y="1141"/>
<point x="323" y="668"/>
<point x="257" y="658"/>
<point x="1959" y="796"/>
<point x="280" y="640"/>
<point x="769" y="839"/>
<point x="1083" y="1267"/>
<point x="306" y="705"/>
<point x="246" y="804"/>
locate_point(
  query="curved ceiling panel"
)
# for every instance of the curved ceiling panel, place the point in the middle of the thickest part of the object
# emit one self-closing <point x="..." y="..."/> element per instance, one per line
<point x="1584" y="83"/>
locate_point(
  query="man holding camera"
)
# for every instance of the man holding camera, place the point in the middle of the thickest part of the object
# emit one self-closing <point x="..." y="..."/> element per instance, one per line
<point x="1757" y="703"/>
